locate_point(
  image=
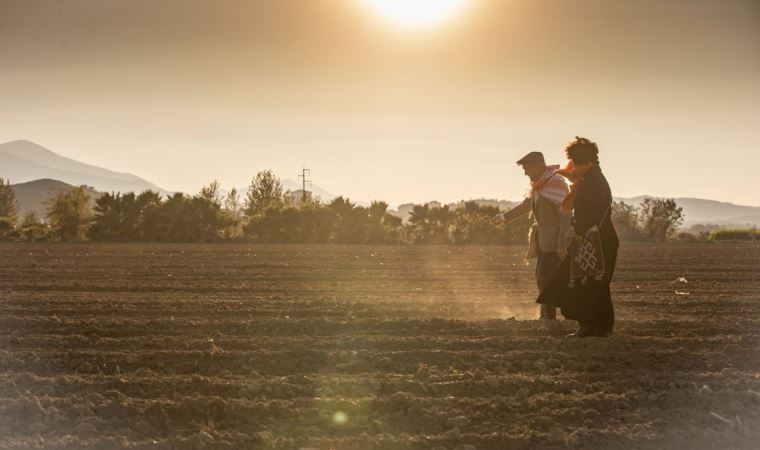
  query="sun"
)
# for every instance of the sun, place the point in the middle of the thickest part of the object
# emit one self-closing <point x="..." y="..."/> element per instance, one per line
<point x="416" y="14"/>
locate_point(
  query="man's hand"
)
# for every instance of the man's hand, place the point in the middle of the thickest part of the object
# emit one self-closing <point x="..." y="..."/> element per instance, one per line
<point x="561" y="251"/>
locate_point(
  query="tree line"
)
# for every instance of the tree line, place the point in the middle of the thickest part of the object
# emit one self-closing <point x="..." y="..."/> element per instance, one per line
<point x="655" y="219"/>
<point x="267" y="213"/>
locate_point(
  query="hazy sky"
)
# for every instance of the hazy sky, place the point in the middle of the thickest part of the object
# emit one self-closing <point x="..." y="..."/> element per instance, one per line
<point x="182" y="92"/>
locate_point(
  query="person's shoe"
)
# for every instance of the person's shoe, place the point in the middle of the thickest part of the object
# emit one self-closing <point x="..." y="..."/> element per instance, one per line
<point x="585" y="332"/>
<point x="581" y="332"/>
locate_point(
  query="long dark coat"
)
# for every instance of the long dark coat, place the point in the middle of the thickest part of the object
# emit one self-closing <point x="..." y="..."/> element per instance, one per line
<point x="589" y="303"/>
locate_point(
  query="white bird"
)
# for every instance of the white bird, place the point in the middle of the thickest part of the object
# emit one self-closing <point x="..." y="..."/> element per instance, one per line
<point x="680" y="280"/>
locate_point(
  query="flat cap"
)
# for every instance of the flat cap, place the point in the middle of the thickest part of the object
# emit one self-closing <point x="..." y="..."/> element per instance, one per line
<point x="532" y="157"/>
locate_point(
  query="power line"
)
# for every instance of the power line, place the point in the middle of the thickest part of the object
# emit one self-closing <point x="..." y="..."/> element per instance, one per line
<point x="304" y="181"/>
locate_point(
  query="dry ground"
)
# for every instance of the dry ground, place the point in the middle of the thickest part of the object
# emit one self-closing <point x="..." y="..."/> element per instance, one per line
<point x="237" y="346"/>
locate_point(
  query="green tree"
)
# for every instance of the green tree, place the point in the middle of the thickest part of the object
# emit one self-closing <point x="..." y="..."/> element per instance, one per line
<point x="69" y="214"/>
<point x="8" y="230"/>
<point x="117" y="218"/>
<point x="149" y="222"/>
<point x="660" y="218"/>
<point x="419" y="223"/>
<point x="431" y="225"/>
<point x="212" y="193"/>
<point x="209" y="222"/>
<point x="340" y="222"/>
<point x="275" y="225"/>
<point x="318" y="223"/>
<point x="234" y="214"/>
<point x="348" y="221"/>
<point x="127" y="217"/>
<point x="265" y="191"/>
<point x="32" y="228"/>
<point x="165" y="221"/>
<point x="8" y="203"/>
<point x="377" y="210"/>
<point x="183" y="219"/>
<point x="626" y="220"/>
<point x="440" y="219"/>
<point x="382" y="227"/>
<point x="472" y="224"/>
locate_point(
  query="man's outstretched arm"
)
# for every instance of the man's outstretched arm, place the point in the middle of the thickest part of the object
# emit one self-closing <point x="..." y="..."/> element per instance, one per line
<point x="514" y="213"/>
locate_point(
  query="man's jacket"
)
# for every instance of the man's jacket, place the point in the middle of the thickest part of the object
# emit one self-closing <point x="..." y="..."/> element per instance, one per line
<point x="551" y="223"/>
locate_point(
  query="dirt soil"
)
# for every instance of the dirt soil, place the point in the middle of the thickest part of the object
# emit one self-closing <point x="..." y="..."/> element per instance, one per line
<point x="358" y="347"/>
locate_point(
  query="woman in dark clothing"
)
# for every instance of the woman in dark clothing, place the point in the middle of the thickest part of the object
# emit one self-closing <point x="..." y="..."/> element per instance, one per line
<point x="581" y="285"/>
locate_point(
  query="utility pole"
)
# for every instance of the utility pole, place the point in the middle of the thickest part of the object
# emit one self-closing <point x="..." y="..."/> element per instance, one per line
<point x="304" y="181"/>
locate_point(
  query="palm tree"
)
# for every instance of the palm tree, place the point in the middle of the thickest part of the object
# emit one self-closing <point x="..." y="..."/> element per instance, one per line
<point x="377" y="210"/>
<point x="348" y="220"/>
<point x="440" y="219"/>
<point x="419" y="218"/>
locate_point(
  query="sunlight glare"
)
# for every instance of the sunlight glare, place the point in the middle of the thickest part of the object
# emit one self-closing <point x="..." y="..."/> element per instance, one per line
<point x="416" y="13"/>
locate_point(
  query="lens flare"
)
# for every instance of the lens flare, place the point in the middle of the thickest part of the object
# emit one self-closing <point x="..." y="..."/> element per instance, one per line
<point x="340" y="418"/>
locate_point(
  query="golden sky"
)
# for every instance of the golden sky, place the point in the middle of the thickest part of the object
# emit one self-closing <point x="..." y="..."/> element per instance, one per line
<point x="182" y="92"/>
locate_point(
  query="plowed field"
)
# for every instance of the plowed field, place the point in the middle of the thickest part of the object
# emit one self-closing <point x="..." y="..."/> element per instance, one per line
<point x="344" y="347"/>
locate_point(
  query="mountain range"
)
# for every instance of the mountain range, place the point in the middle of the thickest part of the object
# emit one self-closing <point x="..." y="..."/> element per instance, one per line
<point x="39" y="172"/>
<point x="701" y="211"/>
<point x="24" y="161"/>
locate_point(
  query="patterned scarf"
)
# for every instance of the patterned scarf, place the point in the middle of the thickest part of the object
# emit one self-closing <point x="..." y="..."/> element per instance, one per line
<point x="550" y="186"/>
<point x="575" y="175"/>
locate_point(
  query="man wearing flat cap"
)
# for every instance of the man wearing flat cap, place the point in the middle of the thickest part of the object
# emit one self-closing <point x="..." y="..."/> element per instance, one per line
<point x="550" y="224"/>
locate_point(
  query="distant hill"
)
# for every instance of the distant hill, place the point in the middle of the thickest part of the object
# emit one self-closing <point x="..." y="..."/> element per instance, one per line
<point x="34" y="195"/>
<point x="315" y="190"/>
<point x="701" y="211"/>
<point x="24" y="161"/>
